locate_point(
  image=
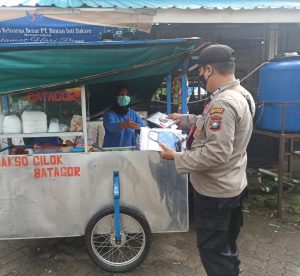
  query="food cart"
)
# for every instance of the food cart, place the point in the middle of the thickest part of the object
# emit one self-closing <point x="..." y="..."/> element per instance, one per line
<point x="116" y="199"/>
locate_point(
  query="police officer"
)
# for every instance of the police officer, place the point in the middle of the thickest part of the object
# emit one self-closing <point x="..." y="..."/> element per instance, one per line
<point x="217" y="160"/>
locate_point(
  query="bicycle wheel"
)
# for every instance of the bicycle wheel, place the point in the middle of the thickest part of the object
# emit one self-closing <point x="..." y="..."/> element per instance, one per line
<point x="123" y="255"/>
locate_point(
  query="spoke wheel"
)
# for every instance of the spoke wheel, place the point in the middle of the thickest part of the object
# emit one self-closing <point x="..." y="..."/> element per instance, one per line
<point x="124" y="254"/>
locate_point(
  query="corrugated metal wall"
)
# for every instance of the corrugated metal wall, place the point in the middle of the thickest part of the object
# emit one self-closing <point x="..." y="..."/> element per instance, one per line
<point x="289" y="37"/>
<point x="252" y="42"/>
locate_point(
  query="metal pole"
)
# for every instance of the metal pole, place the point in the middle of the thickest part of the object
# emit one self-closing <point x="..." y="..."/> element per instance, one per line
<point x="5" y="105"/>
<point x="184" y="86"/>
<point x="6" y="111"/>
<point x="283" y="118"/>
<point x="169" y="94"/>
<point x="291" y="158"/>
<point x="281" y="162"/>
<point x="84" y="125"/>
<point x="280" y="173"/>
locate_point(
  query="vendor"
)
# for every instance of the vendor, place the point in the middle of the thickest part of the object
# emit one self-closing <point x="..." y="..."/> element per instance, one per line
<point x="121" y="123"/>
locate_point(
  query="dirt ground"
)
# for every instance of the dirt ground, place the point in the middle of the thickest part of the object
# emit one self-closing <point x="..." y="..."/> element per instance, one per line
<point x="267" y="247"/>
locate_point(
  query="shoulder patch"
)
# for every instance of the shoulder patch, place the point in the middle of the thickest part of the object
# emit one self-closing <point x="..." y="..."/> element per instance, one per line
<point x="215" y="123"/>
<point x="217" y="110"/>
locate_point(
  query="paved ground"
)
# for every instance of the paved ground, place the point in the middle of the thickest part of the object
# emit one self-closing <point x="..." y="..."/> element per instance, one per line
<point x="265" y="250"/>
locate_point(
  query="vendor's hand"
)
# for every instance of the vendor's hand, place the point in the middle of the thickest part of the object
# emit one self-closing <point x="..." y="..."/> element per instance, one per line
<point x="129" y="124"/>
<point x="167" y="153"/>
<point x="174" y="116"/>
<point x="69" y="143"/>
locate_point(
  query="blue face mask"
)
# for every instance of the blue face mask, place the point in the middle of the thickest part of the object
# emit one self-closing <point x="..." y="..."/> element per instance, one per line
<point x="123" y="100"/>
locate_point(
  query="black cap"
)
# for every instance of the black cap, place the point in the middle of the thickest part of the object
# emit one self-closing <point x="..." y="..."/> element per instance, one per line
<point x="216" y="53"/>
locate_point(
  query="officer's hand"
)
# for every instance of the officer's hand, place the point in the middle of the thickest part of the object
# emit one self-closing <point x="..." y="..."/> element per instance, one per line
<point x="167" y="153"/>
<point x="174" y="116"/>
<point x="129" y="124"/>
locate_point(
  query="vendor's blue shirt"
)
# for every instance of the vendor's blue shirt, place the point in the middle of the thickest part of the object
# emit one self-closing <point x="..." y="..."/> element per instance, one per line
<point x="120" y="137"/>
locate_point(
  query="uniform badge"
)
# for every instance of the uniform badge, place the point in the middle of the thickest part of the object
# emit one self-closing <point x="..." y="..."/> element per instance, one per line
<point x="217" y="110"/>
<point x="215" y="123"/>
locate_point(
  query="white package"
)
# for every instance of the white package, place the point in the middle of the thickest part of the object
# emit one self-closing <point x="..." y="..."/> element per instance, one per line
<point x="149" y="138"/>
<point x="161" y="120"/>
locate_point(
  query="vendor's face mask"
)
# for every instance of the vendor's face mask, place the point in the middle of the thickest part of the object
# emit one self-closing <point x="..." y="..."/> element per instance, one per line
<point x="123" y="100"/>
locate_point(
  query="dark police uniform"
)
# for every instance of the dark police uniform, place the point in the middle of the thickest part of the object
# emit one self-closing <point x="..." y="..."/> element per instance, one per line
<point x="217" y="165"/>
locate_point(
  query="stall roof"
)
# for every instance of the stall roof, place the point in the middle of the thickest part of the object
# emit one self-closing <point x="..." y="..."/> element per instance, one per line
<point x="30" y="66"/>
<point x="156" y="4"/>
<point x="141" y="65"/>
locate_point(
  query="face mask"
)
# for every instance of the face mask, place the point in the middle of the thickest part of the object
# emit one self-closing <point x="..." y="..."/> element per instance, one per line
<point x="123" y="100"/>
<point x="202" y="82"/>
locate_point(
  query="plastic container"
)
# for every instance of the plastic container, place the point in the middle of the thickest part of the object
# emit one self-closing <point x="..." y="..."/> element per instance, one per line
<point x="12" y="124"/>
<point x="34" y="121"/>
<point x="279" y="81"/>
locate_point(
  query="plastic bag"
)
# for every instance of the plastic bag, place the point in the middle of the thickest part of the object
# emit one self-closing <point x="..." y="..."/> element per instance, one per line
<point x="76" y="123"/>
<point x="54" y="125"/>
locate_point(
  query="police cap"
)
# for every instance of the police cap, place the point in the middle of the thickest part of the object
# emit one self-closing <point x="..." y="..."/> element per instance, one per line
<point x="216" y="53"/>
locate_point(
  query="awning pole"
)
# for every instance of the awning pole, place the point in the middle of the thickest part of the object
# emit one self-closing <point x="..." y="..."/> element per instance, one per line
<point x="184" y="86"/>
<point x="169" y="94"/>
<point x="6" y="111"/>
<point x="84" y="124"/>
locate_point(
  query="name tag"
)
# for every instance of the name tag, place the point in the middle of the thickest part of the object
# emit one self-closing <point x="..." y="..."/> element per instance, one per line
<point x="217" y="110"/>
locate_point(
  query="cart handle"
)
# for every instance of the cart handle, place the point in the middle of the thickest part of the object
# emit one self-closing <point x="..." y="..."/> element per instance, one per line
<point x="116" y="191"/>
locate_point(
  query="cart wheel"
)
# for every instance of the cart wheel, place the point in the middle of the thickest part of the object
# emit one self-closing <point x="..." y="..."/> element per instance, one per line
<point x="123" y="255"/>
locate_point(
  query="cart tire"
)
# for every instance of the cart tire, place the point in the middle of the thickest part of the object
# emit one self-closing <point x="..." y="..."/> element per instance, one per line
<point x="131" y="250"/>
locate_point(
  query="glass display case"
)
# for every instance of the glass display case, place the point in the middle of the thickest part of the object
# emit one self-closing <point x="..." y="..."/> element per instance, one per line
<point x="44" y="117"/>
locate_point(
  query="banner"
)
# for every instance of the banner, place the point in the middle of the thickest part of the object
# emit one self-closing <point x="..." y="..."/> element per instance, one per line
<point x="40" y="28"/>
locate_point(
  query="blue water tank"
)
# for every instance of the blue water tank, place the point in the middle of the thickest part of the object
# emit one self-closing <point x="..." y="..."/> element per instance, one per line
<point x="279" y="81"/>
